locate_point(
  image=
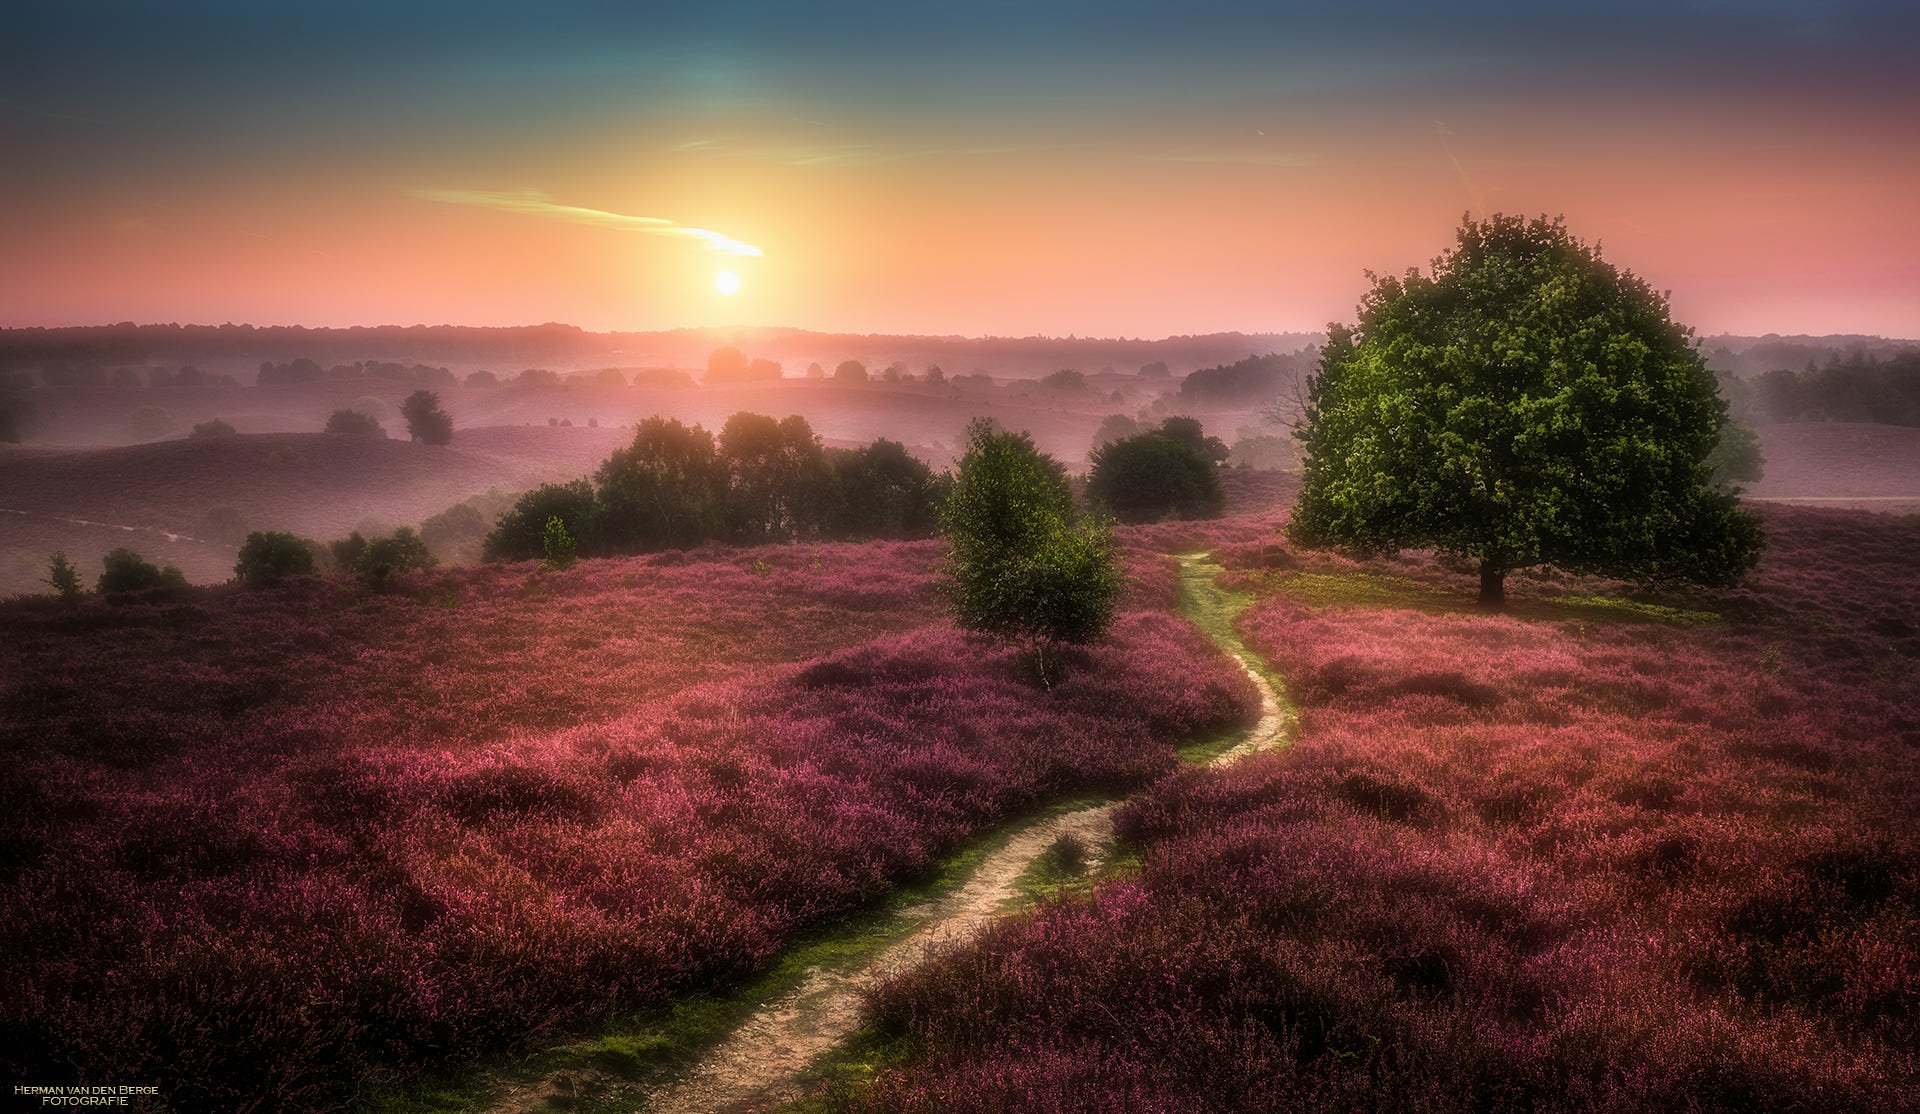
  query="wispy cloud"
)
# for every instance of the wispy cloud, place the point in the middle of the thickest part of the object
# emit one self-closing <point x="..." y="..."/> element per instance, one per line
<point x="535" y="204"/>
<point x="1237" y="158"/>
<point x="851" y="154"/>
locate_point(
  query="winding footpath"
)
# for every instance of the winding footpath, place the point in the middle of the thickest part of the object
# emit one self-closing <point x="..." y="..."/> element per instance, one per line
<point x="763" y="1062"/>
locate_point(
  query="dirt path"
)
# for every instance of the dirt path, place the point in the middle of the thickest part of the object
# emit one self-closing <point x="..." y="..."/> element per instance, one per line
<point x="762" y="1062"/>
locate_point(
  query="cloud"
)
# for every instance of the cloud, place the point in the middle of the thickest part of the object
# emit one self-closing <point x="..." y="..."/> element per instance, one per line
<point x="1282" y="159"/>
<point x="534" y="204"/>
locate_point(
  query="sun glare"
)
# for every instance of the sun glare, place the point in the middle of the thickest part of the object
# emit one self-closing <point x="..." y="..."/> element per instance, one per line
<point x="727" y="283"/>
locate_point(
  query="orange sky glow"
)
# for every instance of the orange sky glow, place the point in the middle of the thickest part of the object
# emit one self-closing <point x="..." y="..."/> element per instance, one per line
<point x="1258" y="211"/>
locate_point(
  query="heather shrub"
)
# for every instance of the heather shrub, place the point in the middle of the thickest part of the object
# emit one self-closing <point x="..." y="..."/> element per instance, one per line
<point x="354" y="423"/>
<point x="270" y="555"/>
<point x="127" y="571"/>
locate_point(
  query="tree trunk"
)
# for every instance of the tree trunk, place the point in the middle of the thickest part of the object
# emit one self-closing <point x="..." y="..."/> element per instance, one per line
<point x="1493" y="587"/>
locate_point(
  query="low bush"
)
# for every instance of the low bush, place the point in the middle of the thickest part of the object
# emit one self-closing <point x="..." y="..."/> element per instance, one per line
<point x="270" y="555"/>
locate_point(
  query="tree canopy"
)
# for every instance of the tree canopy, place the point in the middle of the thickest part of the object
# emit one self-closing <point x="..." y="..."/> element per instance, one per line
<point x="1023" y="567"/>
<point x="1523" y="404"/>
<point x="1172" y="472"/>
<point x="426" y="420"/>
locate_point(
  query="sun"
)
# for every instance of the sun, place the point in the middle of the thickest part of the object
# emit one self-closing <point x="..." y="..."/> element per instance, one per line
<point x="727" y="283"/>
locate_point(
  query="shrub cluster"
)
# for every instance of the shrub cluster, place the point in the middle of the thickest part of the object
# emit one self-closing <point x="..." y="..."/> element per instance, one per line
<point x="1170" y="472"/>
<point x="762" y="480"/>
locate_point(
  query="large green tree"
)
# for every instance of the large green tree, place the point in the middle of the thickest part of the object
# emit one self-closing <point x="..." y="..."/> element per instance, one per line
<point x="1525" y="403"/>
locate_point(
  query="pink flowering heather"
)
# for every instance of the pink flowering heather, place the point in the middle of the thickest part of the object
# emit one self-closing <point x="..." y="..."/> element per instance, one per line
<point x="256" y="844"/>
<point x="1573" y="858"/>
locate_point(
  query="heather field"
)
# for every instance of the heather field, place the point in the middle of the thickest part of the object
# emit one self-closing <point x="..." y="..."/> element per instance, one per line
<point x="1600" y="853"/>
<point x="261" y="846"/>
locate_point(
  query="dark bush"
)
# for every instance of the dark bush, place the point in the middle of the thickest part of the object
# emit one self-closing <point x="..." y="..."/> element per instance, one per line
<point x="353" y="423"/>
<point x="884" y="492"/>
<point x="520" y="532"/>
<point x="127" y="571"/>
<point x="1156" y="475"/>
<point x="427" y="422"/>
<point x="268" y="555"/>
<point x="384" y="558"/>
<point x="214" y="428"/>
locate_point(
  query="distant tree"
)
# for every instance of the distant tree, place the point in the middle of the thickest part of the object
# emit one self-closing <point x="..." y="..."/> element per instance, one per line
<point x="665" y="490"/>
<point x="664" y="377"/>
<point x="1155" y="475"/>
<point x="1066" y="379"/>
<point x="851" y="371"/>
<point x="483" y="379"/>
<point x="150" y="423"/>
<point x="761" y="369"/>
<point x="778" y="486"/>
<point x="1155" y="370"/>
<point x="64" y="578"/>
<point x="891" y="374"/>
<point x="126" y="377"/>
<point x="1736" y="457"/>
<point x="346" y="552"/>
<point x="537" y="377"/>
<point x="815" y="371"/>
<point x="1188" y="432"/>
<point x="1112" y="428"/>
<point x="383" y="558"/>
<point x="1524" y="404"/>
<point x="189" y="376"/>
<point x="726" y="364"/>
<point x="127" y="571"/>
<point x="558" y="545"/>
<point x="209" y="429"/>
<point x="884" y="492"/>
<point x="520" y="532"/>
<point x="353" y="423"/>
<point x="426" y="421"/>
<point x="1021" y="567"/>
<point x="935" y="376"/>
<point x="270" y="555"/>
<point x="1262" y="451"/>
<point x="456" y="534"/>
<point x="610" y="377"/>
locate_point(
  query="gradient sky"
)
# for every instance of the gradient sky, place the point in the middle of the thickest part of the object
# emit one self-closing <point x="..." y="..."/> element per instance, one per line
<point x="1008" y="168"/>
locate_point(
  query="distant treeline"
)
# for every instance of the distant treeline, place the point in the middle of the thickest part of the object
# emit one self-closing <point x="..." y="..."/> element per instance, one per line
<point x="570" y="346"/>
<point x="761" y="480"/>
<point x="1254" y="379"/>
<point x="1857" y="387"/>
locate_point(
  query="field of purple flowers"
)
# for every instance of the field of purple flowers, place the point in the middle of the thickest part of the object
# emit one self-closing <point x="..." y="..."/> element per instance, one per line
<point x="256" y="845"/>
<point x="1584" y="856"/>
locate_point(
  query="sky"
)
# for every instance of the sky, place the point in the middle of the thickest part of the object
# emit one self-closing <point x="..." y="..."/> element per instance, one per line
<point x="1040" y="167"/>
